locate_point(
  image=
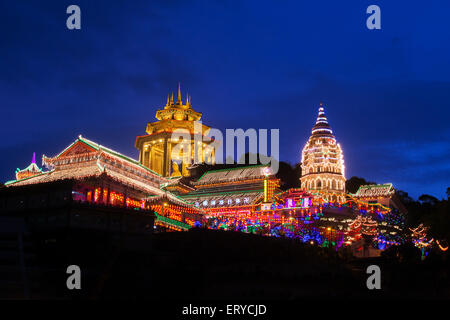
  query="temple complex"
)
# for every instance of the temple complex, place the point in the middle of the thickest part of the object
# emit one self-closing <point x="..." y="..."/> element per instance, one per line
<point x="88" y="184"/>
<point x="156" y="148"/>
<point x="323" y="162"/>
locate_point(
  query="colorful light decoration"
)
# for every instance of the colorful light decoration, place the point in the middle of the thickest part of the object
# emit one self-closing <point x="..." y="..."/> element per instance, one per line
<point x="29" y="171"/>
<point x="441" y="247"/>
<point x="116" y="198"/>
<point x="288" y="214"/>
<point x="419" y="238"/>
<point x="323" y="169"/>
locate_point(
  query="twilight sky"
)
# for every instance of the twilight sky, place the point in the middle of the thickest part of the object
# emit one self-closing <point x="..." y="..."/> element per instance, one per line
<point x="246" y="64"/>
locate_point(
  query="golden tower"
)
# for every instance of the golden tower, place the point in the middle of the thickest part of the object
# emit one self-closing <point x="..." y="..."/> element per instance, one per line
<point x="155" y="148"/>
<point x="323" y="162"/>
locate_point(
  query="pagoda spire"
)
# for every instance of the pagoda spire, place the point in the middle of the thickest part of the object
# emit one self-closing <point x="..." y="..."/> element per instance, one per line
<point x="322" y="127"/>
<point x="167" y="99"/>
<point x="179" y="94"/>
<point x="171" y="99"/>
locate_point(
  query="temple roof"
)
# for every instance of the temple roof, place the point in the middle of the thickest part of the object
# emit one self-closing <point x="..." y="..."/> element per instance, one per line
<point x="29" y="171"/>
<point x="322" y="127"/>
<point x="85" y="159"/>
<point x="83" y="172"/>
<point x="375" y="190"/>
<point x="178" y="110"/>
<point x="225" y="199"/>
<point x="71" y="151"/>
<point x="233" y="174"/>
<point x="169" y="197"/>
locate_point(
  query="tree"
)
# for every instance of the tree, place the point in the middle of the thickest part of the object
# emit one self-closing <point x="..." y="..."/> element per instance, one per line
<point x="352" y="185"/>
<point x="426" y="198"/>
<point x="289" y="175"/>
<point x="404" y="197"/>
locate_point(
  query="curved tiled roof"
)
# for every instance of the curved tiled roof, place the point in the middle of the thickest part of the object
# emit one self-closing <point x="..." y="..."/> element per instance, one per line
<point x="233" y="174"/>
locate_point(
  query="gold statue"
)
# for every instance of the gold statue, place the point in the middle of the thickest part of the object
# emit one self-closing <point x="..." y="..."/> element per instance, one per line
<point x="175" y="170"/>
<point x="184" y="170"/>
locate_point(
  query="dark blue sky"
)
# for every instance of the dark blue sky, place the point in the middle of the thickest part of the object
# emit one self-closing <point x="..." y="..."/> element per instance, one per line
<point x="259" y="64"/>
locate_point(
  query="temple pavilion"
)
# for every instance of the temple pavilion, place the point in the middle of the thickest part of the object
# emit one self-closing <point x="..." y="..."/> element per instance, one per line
<point x="101" y="174"/>
<point x="231" y="190"/>
<point x="156" y="148"/>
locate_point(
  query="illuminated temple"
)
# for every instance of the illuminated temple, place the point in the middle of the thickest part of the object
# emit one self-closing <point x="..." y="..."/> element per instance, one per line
<point x="88" y="185"/>
<point x="156" y="148"/>
<point x="323" y="162"/>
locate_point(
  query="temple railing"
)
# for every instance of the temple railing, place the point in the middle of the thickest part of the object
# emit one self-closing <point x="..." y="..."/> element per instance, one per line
<point x="171" y="222"/>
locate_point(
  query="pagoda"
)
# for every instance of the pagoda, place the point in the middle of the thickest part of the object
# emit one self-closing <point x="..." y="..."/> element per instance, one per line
<point x="323" y="162"/>
<point x="155" y="148"/>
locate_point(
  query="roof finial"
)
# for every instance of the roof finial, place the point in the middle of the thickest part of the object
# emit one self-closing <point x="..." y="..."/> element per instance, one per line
<point x="167" y="100"/>
<point x="179" y="93"/>
<point x="187" y="99"/>
<point x="171" y="99"/>
<point x="33" y="160"/>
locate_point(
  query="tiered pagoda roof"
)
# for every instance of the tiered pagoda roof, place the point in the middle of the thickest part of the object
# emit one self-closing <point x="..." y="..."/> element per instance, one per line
<point x="322" y="128"/>
<point x="178" y="110"/>
<point x="174" y="115"/>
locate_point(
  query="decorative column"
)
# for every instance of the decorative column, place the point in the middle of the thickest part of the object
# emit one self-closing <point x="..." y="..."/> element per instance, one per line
<point x="165" y="159"/>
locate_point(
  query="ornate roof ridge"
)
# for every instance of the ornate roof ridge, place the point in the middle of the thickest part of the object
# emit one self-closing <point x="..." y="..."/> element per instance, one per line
<point x="107" y="150"/>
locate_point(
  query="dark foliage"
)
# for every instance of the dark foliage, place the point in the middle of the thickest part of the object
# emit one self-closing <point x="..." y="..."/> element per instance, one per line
<point x="352" y="185"/>
<point x="289" y="175"/>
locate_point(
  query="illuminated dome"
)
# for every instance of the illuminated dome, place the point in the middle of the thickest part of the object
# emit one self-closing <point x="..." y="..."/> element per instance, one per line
<point x="323" y="162"/>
